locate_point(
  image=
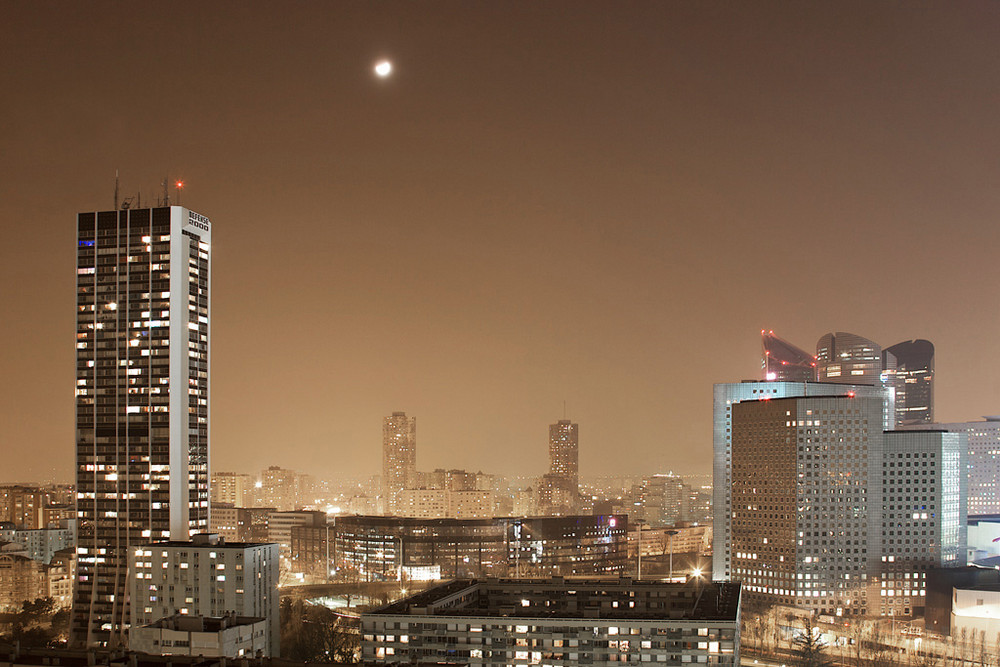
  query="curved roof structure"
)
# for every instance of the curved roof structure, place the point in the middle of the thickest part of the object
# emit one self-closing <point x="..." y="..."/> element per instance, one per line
<point x="782" y="361"/>
<point x="911" y="364"/>
<point x="848" y="358"/>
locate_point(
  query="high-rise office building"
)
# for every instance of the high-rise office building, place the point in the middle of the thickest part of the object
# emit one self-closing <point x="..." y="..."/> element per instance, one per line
<point x="835" y="516"/>
<point x="399" y="457"/>
<point x="847" y="358"/>
<point x="783" y="362"/>
<point x="983" y="464"/>
<point x="726" y="396"/>
<point x="909" y="368"/>
<point x="924" y="521"/>
<point x="802" y="477"/>
<point x="142" y="398"/>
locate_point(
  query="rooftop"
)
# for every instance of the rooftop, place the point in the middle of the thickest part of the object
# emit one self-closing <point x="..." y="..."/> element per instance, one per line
<point x="592" y="598"/>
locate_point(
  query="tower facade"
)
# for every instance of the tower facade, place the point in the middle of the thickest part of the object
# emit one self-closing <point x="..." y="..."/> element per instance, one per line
<point x="142" y="398"/>
<point x="847" y="358"/>
<point x="399" y="457"/>
<point x="726" y="397"/>
<point x="806" y="519"/>
<point x="559" y="489"/>
<point x="909" y="367"/>
<point x="834" y="516"/>
<point x="983" y="460"/>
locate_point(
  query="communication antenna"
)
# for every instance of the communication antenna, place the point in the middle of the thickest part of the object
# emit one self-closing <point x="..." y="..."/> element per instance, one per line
<point x="116" y="189"/>
<point x="166" y="192"/>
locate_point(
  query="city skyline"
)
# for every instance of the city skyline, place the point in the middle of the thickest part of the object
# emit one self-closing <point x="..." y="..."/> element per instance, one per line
<point x="538" y="205"/>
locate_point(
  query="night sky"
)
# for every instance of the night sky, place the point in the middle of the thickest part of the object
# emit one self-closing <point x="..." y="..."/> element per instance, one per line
<point x="596" y="203"/>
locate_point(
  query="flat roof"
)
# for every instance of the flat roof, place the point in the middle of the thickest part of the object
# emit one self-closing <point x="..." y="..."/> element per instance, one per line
<point x="589" y="598"/>
<point x="208" y="545"/>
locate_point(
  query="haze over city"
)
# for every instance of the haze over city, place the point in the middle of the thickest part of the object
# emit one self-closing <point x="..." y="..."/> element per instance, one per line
<point x="570" y="202"/>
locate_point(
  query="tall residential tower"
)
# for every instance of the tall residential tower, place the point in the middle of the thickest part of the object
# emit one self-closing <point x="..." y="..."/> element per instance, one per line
<point x="142" y="398"/>
<point x="560" y="488"/>
<point x="399" y="457"/>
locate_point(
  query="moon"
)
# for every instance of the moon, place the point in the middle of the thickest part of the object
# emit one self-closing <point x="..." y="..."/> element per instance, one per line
<point x="383" y="68"/>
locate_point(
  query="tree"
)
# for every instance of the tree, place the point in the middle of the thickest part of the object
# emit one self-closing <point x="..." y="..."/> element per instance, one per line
<point x="312" y="633"/>
<point x="808" y="647"/>
<point x="881" y="654"/>
<point x="34" y="625"/>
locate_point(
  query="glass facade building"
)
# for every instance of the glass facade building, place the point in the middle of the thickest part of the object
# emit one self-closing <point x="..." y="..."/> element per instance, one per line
<point x="783" y="362"/>
<point x="909" y="368"/>
<point x="847" y="358"/>
<point x="142" y="398"/>
<point x="983" y="460"/>
<point x="380" y="548"/>
<point x="924" y="521"/>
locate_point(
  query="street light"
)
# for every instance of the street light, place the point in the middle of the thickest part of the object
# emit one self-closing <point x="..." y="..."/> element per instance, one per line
<point x="671" y="533"/>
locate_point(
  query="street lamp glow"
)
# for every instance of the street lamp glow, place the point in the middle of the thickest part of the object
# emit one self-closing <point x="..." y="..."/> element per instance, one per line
<point x="383" y="68"/>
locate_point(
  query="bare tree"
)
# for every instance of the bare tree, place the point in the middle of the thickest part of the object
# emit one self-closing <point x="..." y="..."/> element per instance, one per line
<point x="880" y="652"/>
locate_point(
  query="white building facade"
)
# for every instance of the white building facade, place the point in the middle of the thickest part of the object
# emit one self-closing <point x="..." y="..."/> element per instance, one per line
<point x="206" y="577"/>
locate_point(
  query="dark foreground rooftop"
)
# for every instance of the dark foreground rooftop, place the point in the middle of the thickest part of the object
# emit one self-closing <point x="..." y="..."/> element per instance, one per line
<point x="11" y="656"/>
<point x="592" y="598"/>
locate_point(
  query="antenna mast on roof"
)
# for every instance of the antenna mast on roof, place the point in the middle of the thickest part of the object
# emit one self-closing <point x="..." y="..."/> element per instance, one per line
<point x="166" y="192"/>
<point x="116" y="189"/>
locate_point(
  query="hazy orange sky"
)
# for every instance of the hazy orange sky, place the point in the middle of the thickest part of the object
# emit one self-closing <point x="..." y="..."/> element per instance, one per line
<point x="601" y="203"/>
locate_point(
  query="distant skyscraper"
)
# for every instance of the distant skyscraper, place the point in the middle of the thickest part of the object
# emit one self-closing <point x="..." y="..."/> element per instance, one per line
<point x="560" y="487"/>
<point x="783" y="362"/>
<point x="142" y="398"/>
<point x="399" y="457"/>
<point x="564" y="450"/>
<point x="847" y="358"/>
<point x="909" y="367"/>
